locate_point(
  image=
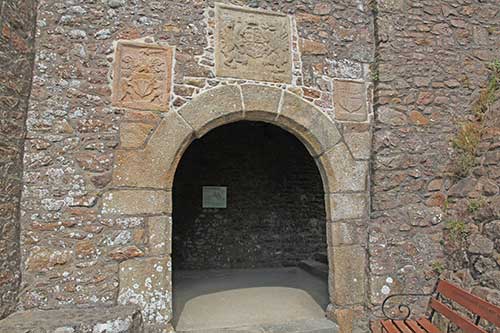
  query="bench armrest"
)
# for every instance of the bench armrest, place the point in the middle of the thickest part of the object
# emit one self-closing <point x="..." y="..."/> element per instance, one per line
<point x="403" y="308"/>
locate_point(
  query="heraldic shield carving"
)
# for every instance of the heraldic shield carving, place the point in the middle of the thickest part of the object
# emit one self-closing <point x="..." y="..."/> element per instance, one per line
<point x="142" y="76"/>
<point x="253" y="44"/>
<point x="350" y="100"/>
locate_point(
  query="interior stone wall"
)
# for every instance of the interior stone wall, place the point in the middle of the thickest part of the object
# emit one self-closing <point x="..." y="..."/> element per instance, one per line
<point x="17" y="24"/>
<point x="275" y="214"/>
<point x="432" y="62"/>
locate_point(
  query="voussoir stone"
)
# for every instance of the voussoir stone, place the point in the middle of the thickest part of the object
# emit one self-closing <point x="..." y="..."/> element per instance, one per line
<point x="135" y="202"/>
<point x="151" y="166"/>
<point x="134" y="135"/>
<point x="261" y="102"/>
<point x="343" y="173"/>
<point x="213" y="108"/>
<point x="359" y="142"/>
<point x="315" y="129"/>
<point x="325" y="131"/>
<point x="166" y="145"/>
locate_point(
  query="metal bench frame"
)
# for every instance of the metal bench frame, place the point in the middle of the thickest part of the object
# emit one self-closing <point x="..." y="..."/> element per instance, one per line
<point x="442" y="290"/>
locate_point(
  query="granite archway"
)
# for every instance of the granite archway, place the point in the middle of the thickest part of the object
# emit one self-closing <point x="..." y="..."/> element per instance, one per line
<point x="143" y="179"/>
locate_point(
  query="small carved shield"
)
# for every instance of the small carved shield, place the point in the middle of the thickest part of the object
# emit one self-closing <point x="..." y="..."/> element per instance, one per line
<point x="351" y="103"/>
<point x="350" y="100"/>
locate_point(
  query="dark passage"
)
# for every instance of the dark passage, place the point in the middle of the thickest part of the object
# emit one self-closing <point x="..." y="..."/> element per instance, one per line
<point x="275" y="213"/>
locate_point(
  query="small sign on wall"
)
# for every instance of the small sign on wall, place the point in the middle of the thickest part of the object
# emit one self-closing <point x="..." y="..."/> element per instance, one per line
<point x="214" y="197"/>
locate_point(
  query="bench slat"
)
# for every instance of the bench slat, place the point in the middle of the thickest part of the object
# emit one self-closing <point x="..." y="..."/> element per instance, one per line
<point x="402" y="326"/>
<point x="473" y="303"/>
<point x="389" y="326"/>
<point x="414" y="326"/>
<point x="429" y="327"/>
<point x="460" y="321"/>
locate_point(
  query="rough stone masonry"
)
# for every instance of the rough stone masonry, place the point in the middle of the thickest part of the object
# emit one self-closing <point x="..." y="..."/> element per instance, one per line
<point x="375" y="90"/>
<point x="17" y="32"/>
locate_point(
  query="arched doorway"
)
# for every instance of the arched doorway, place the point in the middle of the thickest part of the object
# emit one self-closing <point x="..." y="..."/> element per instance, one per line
<point x="142" y="185"/>
<point x="257" y="246"/>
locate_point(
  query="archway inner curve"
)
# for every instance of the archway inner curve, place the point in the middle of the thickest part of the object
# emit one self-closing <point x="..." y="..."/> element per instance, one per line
<point x="249" y="230"/>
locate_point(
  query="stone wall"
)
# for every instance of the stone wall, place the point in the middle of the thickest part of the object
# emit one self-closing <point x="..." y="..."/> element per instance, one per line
<point x="432" y="63"/>
<point x="17" y="24"/>
<point x="85" y="236"/>
<point x="275" y="213"/>
<point x="472" y="230"/>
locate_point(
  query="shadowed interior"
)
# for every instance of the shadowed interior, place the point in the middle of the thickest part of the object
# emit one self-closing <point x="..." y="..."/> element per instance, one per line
<point x="275" y="215"/>
<point x="236" y="266"/>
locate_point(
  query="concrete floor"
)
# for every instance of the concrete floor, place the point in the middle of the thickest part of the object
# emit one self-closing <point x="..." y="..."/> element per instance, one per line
<point x="234" y="298"/>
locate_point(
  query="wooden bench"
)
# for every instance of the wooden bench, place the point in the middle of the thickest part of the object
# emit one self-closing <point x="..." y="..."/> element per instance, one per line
<point x="444" y="291"/>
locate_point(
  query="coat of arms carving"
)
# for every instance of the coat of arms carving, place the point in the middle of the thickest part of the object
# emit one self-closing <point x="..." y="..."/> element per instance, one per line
<point x="350" y="100"/>
<point x="252" y="44"/>
<point x="142" y="76"/>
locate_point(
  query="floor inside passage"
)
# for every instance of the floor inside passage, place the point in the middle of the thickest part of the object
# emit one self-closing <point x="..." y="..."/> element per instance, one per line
<point x="236" y="298"/>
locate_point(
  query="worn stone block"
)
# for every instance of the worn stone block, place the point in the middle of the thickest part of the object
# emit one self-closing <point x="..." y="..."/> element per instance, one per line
<point x="119" y="319"/>
<point x="325" y="131"/>
<point x="154" y="166"/>
<point x="342" y="206"/>
<point x="312" y="47"/>
<point x="347" y="233"/>
<point x="142" y="76"/>
<point x="349" y="98"/>
<point x="134" y="135"/>
<point x="252" y="44"/>
<point x="129" y="170"/>
<point x="146" y="282"/>
<point x="159" y="229"/>
<point x="136" y="202"/>
<point x="343" y="173"/>
<point x="261" y="102"/>
<point x="348" y="277"/>
<point x="220" y="105"/>
<point x="358" y="138"/>
<point x="316" y="131"/>
<point x="351" y="319"/>
<point x="165" y="148"/>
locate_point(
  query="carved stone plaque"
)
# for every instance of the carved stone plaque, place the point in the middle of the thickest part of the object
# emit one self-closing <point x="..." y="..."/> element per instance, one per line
<point x="252" y="44"/>
<point x="214" y="197"/>
<point x="142" y="76"/>
<point x="349" y="98"/>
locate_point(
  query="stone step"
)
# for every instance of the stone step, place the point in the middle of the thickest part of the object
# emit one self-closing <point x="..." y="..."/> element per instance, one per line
<point x="322" y="257"/>
<point x="301" y="326"/>
<point x="117" y="319"/>
<point x="315" y="268"/>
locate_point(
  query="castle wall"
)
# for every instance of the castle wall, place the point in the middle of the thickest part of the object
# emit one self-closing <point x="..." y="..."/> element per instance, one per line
<point x="428" y="63"/>
<point x="432" y="62"/>
<point x="17" y="23"/>
<point x="73" y="241"/>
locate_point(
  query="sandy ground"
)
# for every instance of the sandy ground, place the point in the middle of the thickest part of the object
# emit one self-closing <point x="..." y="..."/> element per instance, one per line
<point x="232" y="298"/>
